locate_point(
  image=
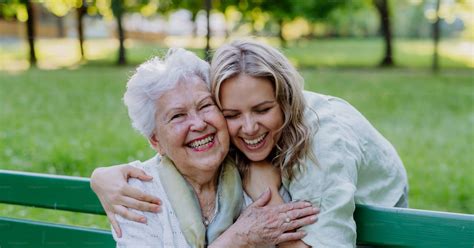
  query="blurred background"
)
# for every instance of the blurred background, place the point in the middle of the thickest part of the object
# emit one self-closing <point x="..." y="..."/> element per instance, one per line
<point x="407" y="65"/>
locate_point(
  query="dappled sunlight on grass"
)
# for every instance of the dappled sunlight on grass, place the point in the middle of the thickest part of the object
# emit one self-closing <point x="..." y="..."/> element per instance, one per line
<point x="54" y="53"/>
<point x="100" y="48"/>
<point x="452" y="52"/>
<point x="462" y="51"/>
<point x="415" y="47"/>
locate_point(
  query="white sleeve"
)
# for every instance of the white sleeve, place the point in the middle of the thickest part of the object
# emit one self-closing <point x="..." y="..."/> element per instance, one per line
<point x="135" y="234"/>
<point x="330" y="185"/>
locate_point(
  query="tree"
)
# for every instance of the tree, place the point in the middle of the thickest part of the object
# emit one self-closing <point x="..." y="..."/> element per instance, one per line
<point x="383" y="9"/>
<point x="62" y="8"/>
<point x="118" y="11"/>
<point x="284" y="11"/>
<point x="194" y="6"/>
<point x="81" y="11"/>
<point x="436" y="36"/>
<point x="208" y="34"/>
<point x="22" y="10"/>
<point x="31" y="31"/>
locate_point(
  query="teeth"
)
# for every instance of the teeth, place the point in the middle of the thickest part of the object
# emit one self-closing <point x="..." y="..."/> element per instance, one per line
<point x="202" y="142"/>
<point x="255" y="141"/>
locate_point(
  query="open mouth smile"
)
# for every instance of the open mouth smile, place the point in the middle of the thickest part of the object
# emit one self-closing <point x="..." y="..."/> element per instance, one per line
<point x="202" y="144"/>
<point x="255" y="143"/>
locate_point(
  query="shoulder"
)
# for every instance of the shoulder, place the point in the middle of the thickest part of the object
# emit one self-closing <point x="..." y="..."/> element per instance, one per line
<point x="150" y="168"/>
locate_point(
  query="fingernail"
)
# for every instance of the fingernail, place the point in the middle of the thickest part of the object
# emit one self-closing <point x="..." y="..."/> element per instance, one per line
<point x="314" y="218"/>
<point x="307" y="204"/>
<point x="143" y="220"/>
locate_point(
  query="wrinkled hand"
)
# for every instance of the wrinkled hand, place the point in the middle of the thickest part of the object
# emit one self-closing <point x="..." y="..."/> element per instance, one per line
<point x="262" y="225"/>
<point x="115" y="195"/>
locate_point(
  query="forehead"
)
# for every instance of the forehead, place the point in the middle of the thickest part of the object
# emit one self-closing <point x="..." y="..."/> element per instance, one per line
<point x="186" y="91"/>
<point x="244" y="89"/>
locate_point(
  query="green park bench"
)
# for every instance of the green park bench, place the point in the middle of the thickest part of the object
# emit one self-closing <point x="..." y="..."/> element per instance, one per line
<point x="376" y="226"/>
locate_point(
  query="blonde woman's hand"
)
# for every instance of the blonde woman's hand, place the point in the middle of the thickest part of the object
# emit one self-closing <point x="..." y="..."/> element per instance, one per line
<point x="115" y="195"/>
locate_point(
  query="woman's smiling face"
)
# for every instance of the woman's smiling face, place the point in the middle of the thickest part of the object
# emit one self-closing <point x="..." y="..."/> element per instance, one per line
<point x="190" y="129"/>
<point x="254" y="117"/>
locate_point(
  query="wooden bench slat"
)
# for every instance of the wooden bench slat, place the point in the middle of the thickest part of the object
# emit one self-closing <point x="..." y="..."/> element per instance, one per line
<point x="387" y="227"/>
<point x="25" y="233"/>
<point x="400" y="227"/>
<point x="48" y="191"/>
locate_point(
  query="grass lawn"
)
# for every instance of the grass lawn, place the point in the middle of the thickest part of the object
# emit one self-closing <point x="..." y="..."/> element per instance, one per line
<point x="69" y="121"/>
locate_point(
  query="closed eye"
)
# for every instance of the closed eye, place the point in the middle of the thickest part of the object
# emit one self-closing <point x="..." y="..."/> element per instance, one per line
<point x="176" y="116"/>
<point x="207" y="105"/>
<point x="263" y="111"/>
<point x="231" y="116"/>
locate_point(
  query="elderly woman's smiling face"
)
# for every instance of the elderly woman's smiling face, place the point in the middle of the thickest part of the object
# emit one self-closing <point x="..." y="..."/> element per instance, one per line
<point x="190" y="128"/>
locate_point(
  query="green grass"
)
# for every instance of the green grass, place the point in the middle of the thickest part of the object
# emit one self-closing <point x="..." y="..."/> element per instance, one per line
<point x="368" y="52"/>
<point x="69" y="121"/>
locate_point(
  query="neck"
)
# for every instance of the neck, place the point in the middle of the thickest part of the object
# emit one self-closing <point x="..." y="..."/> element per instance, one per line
<point x="205" y="189"/>
<point x="203" y="183"/>
<point x="262" y="163"/>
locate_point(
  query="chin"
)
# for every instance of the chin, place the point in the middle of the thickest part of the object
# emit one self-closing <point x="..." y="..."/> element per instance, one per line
<point x="256" y="157"/>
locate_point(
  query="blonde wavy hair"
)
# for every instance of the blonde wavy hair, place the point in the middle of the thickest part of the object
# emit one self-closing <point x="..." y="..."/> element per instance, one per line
<point x="262" y="61"/>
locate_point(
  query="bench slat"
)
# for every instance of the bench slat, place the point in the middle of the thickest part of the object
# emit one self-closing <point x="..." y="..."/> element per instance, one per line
<point x="387" y="227"/>
<point x="48" y="191"/>
<point x="400" y="227"/>
<point x="25" y="233"/>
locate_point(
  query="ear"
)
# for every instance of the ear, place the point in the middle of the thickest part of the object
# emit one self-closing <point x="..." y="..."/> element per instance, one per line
<point x="155" y="143"/>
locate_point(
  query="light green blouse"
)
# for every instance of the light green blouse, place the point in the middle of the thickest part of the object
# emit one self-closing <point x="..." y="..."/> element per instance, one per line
<point x="355" y="164"/>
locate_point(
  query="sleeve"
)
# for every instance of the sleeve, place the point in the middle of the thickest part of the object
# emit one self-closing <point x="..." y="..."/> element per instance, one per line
<point x="135" y="234"/>
<point x="329" y="183"/>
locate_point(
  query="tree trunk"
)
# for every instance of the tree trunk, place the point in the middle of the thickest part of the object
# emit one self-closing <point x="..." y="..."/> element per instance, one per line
<point x="436" y="36"/>
<point x="60" y="26"/>
<point x="121" y="36"/>
<point x="81" y="11"/>
<point x="195" y="27"/>
<point x="208" y="35"/>
<point x="30" y="29"/>
<point x="385" y="28"/>
<point x="283" y="42"/>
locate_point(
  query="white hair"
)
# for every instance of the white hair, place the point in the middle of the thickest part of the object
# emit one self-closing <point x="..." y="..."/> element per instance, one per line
<point x="153" y="78"/>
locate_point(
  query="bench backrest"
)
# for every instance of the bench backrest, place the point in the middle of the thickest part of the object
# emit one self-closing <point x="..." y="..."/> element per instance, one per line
<point x="376" y="226"/>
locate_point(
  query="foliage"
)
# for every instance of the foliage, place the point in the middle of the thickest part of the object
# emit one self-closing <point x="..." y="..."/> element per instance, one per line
<point x="13" y="9"/>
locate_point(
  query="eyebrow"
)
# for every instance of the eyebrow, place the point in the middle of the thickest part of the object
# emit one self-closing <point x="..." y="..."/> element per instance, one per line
<point x="204" y="99"/>
<point x="179" y="108"/>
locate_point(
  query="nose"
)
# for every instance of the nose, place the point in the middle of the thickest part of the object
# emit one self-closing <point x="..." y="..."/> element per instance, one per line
<point x="250" y="126"/>
<point x="198" y="123"/>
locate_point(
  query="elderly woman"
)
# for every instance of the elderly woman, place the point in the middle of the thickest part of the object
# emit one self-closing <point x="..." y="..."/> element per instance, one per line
<point x="170" y="104"/>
